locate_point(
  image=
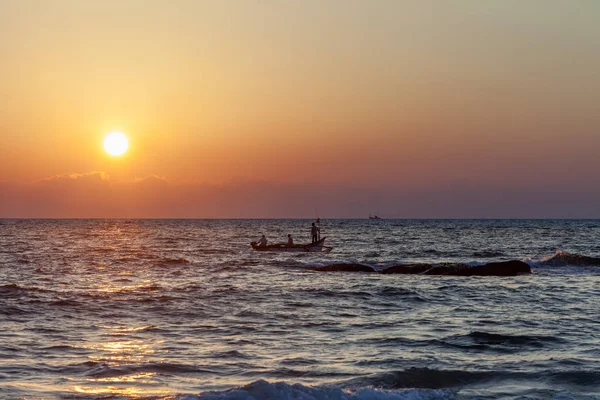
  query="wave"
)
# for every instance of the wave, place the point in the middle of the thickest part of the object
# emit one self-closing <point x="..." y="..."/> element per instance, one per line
<point x="11" y="311"/>
<point x="480" y="341"/>
<point x="58" y="348"/>
<point x="426" y="378"/>
<point x="137" y="289"/>
<point x="414" y="383"/>
<point x="500" y="342"/>
<point x="488" y="254"/>
<point x="320" y="293"/>
<point x="228" y="354"/>
<point x="280" y="390"/>
<point x="154" y="299"/>
<point x="563" y="259"/>
<point x="13" y="288"/>
<point x="65" y="303"/>
<point x="165" y="262"/>
<point x="394" y="291"/>
<point x="495" y="338"/>
<point x="99" y="370"/>
<point x="144" y="295"/>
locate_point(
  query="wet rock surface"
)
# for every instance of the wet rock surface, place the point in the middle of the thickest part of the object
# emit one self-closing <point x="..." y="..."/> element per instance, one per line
<point x="345" y="268"/>
<point x="505" y="268"/>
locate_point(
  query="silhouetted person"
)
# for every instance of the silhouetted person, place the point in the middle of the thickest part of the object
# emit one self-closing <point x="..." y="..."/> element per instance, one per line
<point x="318" y="228"/>
<point x="290" y="240"/>
<point x="315" y="233"/>
<point x="263" y="241"/>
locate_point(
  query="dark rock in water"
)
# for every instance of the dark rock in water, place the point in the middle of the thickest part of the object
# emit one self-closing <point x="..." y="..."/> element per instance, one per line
<point x="449" y="269"/>
<point x="427" y="269"/>
<point x="507" y="268"/>
<point x="410" y="269"/>
<point x="345" y="268"/>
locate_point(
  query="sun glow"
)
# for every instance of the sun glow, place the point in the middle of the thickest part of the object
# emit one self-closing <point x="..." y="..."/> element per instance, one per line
<point x="116" y="143"/>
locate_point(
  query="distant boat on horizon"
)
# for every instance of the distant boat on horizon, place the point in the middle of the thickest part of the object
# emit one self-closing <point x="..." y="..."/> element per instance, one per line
<point x="374" y="216"/>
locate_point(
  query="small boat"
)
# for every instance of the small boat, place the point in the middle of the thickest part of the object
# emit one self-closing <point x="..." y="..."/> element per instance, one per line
<point x="374" y="216"/>
<point x="317" y="247"/>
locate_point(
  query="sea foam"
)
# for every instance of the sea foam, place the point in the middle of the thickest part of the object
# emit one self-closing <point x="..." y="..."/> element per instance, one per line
<point x="283" y="391"/>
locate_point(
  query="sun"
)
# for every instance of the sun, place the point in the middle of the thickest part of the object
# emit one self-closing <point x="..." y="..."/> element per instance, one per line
<point x="116" y="143"/>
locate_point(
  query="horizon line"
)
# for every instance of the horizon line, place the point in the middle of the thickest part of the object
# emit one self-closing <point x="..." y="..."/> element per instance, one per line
<point x="295" y="219"/>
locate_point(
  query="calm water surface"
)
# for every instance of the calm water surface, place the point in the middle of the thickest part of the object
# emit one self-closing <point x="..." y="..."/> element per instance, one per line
<point x="159" y="308"/>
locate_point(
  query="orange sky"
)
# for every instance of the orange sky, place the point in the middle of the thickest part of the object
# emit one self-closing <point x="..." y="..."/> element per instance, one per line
<point x="411" y="98"/>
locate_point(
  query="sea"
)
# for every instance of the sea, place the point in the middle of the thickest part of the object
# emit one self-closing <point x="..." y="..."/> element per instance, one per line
<point x="185" y="309"/>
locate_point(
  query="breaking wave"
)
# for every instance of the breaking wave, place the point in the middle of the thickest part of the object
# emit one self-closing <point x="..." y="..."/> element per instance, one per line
<point x="414" y="383"/>
<point x="563" y="259"/>
<point x="283" y="391"/>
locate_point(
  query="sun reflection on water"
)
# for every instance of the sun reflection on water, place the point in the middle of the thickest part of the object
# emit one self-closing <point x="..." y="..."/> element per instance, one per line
<point x="116" y="356"/>
<point x="131" y="392"/>
<point x="123" y="351"/>
<point x="140" y="377"/>
<point x="124" y="329"/>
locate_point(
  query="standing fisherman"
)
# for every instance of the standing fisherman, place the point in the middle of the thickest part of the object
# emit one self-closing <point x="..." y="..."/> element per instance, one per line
<point x="318" y="225"/>
<point x="315" y="233"/>
<point x="318" y="228"/>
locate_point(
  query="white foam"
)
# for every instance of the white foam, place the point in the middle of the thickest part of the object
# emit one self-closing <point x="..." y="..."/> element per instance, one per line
<point x="283" y="391"/>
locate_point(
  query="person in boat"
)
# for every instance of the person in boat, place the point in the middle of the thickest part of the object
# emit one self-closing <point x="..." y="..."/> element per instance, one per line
<point x="315" y="233"/>
<point x="263" y="241"/>
<point x="290" y="240"/>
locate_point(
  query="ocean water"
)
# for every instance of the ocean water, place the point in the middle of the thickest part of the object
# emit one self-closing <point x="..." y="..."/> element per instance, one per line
<point x="185" y="309"/>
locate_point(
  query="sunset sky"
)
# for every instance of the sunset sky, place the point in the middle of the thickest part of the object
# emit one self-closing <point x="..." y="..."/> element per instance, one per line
<point x="411" y="109"/>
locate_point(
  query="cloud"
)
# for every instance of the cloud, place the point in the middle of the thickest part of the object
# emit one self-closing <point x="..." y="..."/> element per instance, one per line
<point x="97" y="195"/>
<point x="94" y="176"/>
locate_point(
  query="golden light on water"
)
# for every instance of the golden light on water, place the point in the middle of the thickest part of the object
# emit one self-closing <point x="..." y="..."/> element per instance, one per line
<point x="132" y="392"/>
<point x="122" y="354"/>
<point x="116" y="143"/>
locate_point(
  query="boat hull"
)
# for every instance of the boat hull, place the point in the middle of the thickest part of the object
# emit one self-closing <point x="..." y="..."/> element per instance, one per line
<point x="317" y="247"/>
